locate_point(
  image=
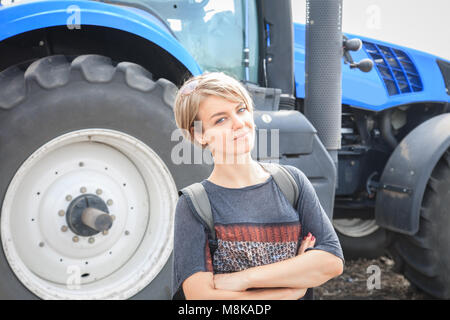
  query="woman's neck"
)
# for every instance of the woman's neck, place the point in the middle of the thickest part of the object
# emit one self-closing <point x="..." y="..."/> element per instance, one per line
<point x="238" y="174"/>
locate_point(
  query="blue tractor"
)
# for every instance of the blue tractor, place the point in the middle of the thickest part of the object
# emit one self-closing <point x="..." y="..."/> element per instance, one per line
<point x="88" y="176"/>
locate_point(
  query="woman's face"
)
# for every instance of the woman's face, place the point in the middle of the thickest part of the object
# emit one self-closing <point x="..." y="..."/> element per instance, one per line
<point x="228" y="126"/>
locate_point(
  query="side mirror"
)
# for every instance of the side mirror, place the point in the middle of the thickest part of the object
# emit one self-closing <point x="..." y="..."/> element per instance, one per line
<point x="364" y="65"/>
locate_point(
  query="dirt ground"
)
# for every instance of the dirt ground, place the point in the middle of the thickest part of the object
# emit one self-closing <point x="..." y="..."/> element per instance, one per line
<point x="354" y="282"/>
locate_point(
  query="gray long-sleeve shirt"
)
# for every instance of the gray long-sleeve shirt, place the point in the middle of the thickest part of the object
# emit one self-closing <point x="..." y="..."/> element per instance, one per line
<point x="255" y="225"/>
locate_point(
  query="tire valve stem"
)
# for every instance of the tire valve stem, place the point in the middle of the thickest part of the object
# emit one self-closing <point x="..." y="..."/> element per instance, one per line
<point x="41" y="244"/>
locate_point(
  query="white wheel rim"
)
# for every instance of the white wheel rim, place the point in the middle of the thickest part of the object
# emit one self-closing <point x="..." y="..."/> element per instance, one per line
<point x="113" y="266"/>
<point x="355" y="228"/>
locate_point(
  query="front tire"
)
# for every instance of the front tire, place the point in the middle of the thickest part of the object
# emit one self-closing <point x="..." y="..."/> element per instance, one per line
<point x="424" y="257"/>
<point x="73" y="128"/>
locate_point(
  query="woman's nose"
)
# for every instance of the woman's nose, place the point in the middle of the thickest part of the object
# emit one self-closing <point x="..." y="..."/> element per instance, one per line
<point x="238" y="122"/>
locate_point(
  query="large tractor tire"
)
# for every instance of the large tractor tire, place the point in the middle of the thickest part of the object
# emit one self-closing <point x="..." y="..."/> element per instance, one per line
<point x="87" y="133"/>
<point x="424" y="258"/>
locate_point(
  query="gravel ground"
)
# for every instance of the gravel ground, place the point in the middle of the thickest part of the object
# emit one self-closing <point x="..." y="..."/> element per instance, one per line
<point x="354" y="281"/>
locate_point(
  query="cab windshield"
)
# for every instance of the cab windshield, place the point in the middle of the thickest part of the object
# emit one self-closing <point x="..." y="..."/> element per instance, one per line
<point x="212" y="31"/>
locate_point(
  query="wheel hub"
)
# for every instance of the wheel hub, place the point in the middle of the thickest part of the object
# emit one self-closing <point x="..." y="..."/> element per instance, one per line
<point x="77" y="212"/>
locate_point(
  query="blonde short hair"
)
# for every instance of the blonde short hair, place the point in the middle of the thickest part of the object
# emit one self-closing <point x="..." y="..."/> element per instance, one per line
<point x="196" y="89"/>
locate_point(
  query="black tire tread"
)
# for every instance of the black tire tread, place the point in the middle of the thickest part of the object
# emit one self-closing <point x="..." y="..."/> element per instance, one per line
<point x="14" y="92"/>
<point x="56" y="71"/>
<point x="420" y="257"/>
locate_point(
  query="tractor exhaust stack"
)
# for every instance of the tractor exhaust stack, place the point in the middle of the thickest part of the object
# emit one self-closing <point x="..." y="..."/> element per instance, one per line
<point x="323" y="74"/>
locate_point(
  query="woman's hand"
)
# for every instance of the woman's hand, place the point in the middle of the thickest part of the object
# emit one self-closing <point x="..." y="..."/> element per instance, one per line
<point x="235" y="281"/>
<point x="307" y="242"/>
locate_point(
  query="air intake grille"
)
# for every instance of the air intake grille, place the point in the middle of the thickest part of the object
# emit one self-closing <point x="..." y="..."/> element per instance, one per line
<point x="395" y="68"/>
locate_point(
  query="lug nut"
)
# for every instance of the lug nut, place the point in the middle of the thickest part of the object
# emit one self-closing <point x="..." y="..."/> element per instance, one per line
<point x="98" y="191"/>
<point x="68" y="197"/>
<point x="61" y="213"/>
<point x="64" y="228"/>
<point x="91" y="240"/>
<point x="75" y="239"/>
<point x="83" y="189"/>
<point x="109" y="202"/>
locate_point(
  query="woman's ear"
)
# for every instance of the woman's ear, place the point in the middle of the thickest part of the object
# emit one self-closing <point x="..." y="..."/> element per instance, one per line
<point x="196" y="132"/>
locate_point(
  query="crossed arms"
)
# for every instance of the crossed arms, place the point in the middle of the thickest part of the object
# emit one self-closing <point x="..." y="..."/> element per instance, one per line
<point x="287" y="279"/>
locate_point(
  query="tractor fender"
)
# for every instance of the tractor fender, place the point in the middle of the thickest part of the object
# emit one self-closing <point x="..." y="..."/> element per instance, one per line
<point x="406" y="174"/>
<point x="27" y="16"/>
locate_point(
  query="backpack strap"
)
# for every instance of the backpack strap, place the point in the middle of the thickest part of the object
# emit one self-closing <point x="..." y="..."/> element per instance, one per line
<point x="284" y="180"/>
<point x="200" y="200"/>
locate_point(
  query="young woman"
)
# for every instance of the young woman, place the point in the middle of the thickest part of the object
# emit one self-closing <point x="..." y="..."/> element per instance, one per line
<point x="266" y="249"/>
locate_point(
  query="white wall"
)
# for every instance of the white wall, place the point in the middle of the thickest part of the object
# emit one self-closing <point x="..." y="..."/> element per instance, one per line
<point x="418" y="24"/>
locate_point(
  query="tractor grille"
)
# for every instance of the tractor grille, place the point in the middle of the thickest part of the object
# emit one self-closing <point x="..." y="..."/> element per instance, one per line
<point x="395" y="68"/>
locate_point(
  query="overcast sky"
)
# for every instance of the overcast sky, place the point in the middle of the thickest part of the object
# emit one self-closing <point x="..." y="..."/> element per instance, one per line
<point x="418" y="24"/>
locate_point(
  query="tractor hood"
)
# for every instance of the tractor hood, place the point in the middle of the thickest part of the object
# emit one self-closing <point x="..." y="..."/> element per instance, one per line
<point x="400" y="75"/>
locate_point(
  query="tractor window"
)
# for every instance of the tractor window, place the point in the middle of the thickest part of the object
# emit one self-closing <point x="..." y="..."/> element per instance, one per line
<point x="212" y="31"/>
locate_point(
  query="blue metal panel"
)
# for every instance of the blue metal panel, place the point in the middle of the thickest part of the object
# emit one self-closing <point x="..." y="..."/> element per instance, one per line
<point x="27" y="16"/>
<point x="424" y="81"/>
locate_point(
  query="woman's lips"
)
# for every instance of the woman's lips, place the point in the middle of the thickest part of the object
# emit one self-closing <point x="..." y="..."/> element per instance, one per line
<point x="240" y="135"/>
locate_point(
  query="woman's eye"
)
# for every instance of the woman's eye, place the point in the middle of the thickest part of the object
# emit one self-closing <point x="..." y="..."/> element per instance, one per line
<point x="218" y="121"/>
